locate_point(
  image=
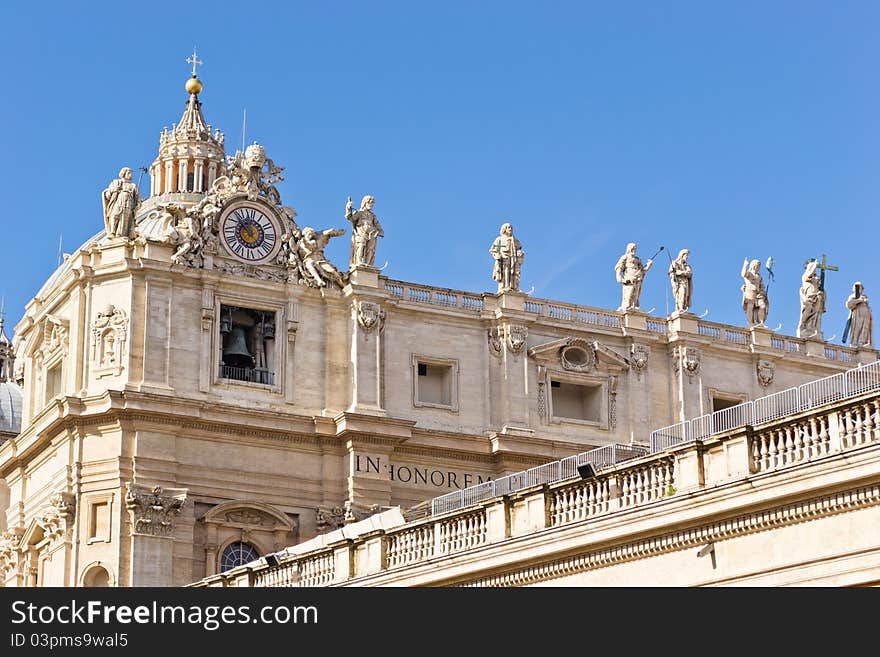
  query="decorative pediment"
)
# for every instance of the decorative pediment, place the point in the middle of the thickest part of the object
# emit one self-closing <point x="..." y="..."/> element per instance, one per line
<point x="250" y="515"/>
<point x="578" y="355"/>
<point x="49" y="338"/>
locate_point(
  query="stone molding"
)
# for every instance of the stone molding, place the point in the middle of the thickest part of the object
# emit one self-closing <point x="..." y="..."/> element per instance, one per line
<point x="773" y="518"/>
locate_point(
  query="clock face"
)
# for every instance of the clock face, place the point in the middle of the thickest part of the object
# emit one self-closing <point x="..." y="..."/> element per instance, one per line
<point x="248" y="233"/>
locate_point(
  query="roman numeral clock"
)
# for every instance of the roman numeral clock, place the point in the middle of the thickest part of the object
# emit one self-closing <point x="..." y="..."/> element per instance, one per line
<point x="249" y="231"/>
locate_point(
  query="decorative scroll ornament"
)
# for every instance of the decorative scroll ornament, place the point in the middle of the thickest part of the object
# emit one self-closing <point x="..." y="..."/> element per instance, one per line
<point x="55" y="339"/>
<point x="495" y="336"/>
<point x="639" y="355"/>
<point x="153" y="510"/>
<point x="252" y="271"/>
<point x="56" y="519"/>
<point x="329" y="518"/>
<point x="9" y="554"/>
<point x="516" y="337"/>
<point x="765" y="370"/>
<point x="369" y="315"/>
<point x="578" y="356"/>
<point x="109" y="338"/>
<point x="688" y="358"/>
<point x="250" y="517"/>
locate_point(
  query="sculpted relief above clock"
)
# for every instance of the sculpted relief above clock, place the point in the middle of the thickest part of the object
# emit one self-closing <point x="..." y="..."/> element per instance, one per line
<point x="249" y="232"/>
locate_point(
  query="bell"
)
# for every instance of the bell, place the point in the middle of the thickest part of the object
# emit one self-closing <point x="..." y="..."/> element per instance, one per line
<point x="236" y="352"/>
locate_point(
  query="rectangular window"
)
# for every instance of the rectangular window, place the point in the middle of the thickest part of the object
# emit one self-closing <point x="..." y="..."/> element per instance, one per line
<point x="435" y="382"/>
<point x="576" y="402"/>
<point x="435" y="385"/>
<point x="99" y="521"/>
<point x="53" y="381"/>
<point x="247" y="345"/>
<point x="720" y="403"/>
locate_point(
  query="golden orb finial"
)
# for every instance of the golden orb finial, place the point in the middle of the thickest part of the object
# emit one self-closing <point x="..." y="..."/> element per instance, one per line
<point x="193" y="85"/>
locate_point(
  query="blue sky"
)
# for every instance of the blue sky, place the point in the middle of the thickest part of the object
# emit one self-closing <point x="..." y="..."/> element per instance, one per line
<point x="747" y="129"/>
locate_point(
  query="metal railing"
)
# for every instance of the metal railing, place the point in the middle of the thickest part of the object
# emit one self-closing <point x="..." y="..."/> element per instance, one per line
<point x="543" y="474"/>
<point x="830" y="389"/>
<point x="805" y="397"/>
<point x="249" y="374"/>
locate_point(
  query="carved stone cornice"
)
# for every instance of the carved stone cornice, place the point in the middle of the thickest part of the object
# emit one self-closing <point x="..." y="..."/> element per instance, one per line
<point x="153" y="510"/>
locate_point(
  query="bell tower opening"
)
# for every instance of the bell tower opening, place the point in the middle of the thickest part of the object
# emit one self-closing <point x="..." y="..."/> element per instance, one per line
<point x="247" y="345"/>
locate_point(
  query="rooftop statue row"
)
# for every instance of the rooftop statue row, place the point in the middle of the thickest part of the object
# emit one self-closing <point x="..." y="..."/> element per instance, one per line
<point x="193" y="231"/>
<point x="630" y="272"/>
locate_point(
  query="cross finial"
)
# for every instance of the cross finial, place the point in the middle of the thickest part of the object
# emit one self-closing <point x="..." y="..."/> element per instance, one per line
<point x="195" y="61"/>
<point x="824" y="266"/>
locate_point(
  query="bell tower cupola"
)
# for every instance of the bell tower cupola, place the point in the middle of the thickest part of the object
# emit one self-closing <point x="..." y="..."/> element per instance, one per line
<point x="191" y="153"/>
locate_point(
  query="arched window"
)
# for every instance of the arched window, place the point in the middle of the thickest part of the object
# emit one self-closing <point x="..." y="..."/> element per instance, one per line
<point x="96" y="577"/>
<point x="236" y="554"/>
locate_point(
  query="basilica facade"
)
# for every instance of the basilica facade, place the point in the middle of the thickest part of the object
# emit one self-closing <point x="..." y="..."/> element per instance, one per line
<point x="198" y="385"/>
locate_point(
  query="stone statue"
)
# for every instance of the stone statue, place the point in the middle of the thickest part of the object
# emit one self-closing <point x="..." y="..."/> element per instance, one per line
<point x="681" y="277"/>
<point x="189" y="242"/>
<point x="508" y="254"/>
<point x="311" y="248"/>
<point x="812" y="303"/>
<point x="630" y="273"/>
<point x="860" y="322"/>
<point x="755" y="302"/>
<point x="365" y="232"/>
<point x="120" y="201"/>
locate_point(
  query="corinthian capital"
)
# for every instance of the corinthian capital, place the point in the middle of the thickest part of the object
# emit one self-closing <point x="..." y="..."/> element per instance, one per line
<point x="153" y="509"/>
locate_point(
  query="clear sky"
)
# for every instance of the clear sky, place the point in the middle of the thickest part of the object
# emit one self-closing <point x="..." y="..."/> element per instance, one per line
<point x="739" y="129"/>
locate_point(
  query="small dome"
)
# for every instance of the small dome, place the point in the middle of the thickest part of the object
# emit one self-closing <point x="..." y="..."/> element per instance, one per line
<point x="194" y="85"/>
<point x="10" y="407"/>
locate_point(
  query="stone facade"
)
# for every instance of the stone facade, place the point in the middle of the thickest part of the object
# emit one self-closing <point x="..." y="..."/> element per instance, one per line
<point x="194" y="393"/>
<point x="784" y="502"/>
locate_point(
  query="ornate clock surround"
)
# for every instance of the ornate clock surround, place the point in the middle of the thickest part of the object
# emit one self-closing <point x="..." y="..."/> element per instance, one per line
<point x="250" y="231"/>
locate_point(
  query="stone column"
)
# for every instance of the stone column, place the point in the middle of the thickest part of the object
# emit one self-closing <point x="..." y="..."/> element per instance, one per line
<point x="182" y="171"/>
<point x="199" y="176"/>
<point x="169" y="176"/>
<point x="368" y="319"/>
<point x="212" y="174"/>
<point x="152" y="512"/>
<point x="512" y="379"/>
<point x="56" y="520"/>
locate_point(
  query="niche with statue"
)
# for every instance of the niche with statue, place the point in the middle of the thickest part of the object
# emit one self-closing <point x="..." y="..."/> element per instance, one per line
<point x="247" y="345"/>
